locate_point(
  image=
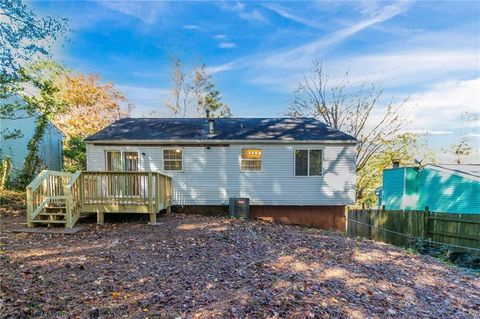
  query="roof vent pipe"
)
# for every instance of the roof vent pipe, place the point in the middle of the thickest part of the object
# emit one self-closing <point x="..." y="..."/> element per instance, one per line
<point x="211" y="126"/>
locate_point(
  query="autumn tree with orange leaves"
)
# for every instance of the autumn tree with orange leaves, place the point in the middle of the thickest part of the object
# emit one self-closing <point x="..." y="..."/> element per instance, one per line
<point x="90" y="107"/>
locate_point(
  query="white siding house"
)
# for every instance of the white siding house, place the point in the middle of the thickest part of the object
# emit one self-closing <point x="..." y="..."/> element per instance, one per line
<point x="212" y="174"/>
<point x="206" y="162"/>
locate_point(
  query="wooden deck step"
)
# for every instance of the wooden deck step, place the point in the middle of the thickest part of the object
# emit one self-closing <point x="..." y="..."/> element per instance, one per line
<point x="52" y="214"/>
<point x="52" y="210"/>
<point x="46" y="221"/>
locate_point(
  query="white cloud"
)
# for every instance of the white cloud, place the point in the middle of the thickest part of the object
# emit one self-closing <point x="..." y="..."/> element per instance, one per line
<point x="415" y="66"/>
<point x="291" y="58"/>
<point x="145" y="99"/>
<point x="224" y="42"/>
<point x="191" y="27"/>
<point x="290" y="16"/>
<point x="427" y="132"/>
<point x="225" y="67"/>
<point x="226" y="45"/>
<point x="243" y="12"/>
<point x="147" y="12"/>
<point x="441" y="106"/>
<point x="253" y="16"/>
<point x="407" y="66"/>
<point x="315" y="48"/>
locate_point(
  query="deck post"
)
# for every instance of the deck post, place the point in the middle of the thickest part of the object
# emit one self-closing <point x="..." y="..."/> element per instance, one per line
<point x="153" y="219"/>
<point x="150" y="193"/>
<point x="100" y="218"/>
<point x="157" y="192"/>
<point x="153" y="214"/>
<point x="82" y="192"/>
<point x="68" y="207"/>
<point x="29" y="207"/>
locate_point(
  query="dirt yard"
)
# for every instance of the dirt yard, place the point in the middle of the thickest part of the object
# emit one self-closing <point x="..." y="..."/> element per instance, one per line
<point x="205" y="267"/>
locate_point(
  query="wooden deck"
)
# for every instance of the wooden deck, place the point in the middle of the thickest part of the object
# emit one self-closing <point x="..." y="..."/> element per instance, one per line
<point x="58" y="198"/>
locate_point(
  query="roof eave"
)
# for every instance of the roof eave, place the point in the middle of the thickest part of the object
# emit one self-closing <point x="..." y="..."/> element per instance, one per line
<point x="453" y="171"/>
<point x="193" y="142"/>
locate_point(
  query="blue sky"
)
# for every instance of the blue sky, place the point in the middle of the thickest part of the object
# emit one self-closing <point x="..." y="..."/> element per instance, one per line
<point x="257" y="51"/>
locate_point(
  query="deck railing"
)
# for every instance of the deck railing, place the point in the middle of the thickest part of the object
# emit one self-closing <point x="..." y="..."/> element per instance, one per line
<point x="73" y="199"/>
<point x="45" y="189"/>
<point x="99" y="192"/>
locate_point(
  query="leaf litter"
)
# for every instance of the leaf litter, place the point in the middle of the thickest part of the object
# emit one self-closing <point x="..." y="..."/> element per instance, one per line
<point x="214" y="267"/>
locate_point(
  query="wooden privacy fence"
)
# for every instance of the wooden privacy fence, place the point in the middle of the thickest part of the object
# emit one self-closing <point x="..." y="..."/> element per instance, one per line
<point x="401" y="228"/>
<point x="59" y="197"/>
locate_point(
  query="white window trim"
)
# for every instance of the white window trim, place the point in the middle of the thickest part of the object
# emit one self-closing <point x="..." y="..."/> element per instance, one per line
<point x="241" y="159"/>
<point x="121" y="151"/>
<point x="308" y="161"/>
<point x="163" y="160"/>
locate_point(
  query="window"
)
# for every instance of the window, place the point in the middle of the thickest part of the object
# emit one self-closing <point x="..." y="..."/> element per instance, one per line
<point x="118" y="161"/>
<point x="173" y="159"/>
<point x="251" y="159"/>
<point x="308" y="162"/>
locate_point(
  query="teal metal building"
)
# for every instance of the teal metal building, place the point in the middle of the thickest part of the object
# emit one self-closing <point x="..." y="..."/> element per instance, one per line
<point x="443" y="188"/>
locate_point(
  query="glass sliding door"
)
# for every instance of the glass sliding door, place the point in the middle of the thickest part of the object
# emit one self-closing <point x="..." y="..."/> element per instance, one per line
<point x="113" y="161"/>
<point x="122" y="185"/>
<point x="130" y="160"/>
<point x="132" y="181"/>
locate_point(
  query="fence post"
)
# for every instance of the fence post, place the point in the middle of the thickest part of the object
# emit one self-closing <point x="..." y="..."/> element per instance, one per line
<point x="347" y="214"/>
<point x="426" y="220"/>
<point x="370" y="223"/>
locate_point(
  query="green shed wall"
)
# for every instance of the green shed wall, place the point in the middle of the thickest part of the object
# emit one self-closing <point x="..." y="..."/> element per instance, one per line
<point x="445" y="192"/>
<point x="414" y="189"/>
<point x="393" y="188"/>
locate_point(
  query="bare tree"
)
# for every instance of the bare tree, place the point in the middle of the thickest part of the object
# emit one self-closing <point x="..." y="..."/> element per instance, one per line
<point x="177" y="105"/>
<point x="461" y="150"/>
<point x="352" y="108"/>
<point x="193" y="92"/>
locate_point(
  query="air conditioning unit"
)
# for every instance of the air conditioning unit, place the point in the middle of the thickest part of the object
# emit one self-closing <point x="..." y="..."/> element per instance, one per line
<point x="239" y="207"/>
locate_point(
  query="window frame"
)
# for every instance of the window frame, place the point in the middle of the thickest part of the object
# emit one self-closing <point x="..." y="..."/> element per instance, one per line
<point x="163" y="159"/>
<point x="122" y="161"/>
<point x="241" y="159"/>
<point x="308" y="149"/>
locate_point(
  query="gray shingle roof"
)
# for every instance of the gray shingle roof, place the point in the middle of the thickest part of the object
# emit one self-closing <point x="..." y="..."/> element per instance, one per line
<point x="196" y="129"/>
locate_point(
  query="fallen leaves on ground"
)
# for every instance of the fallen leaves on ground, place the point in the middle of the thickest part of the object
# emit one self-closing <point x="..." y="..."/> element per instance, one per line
<point x="211" y="267"/>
